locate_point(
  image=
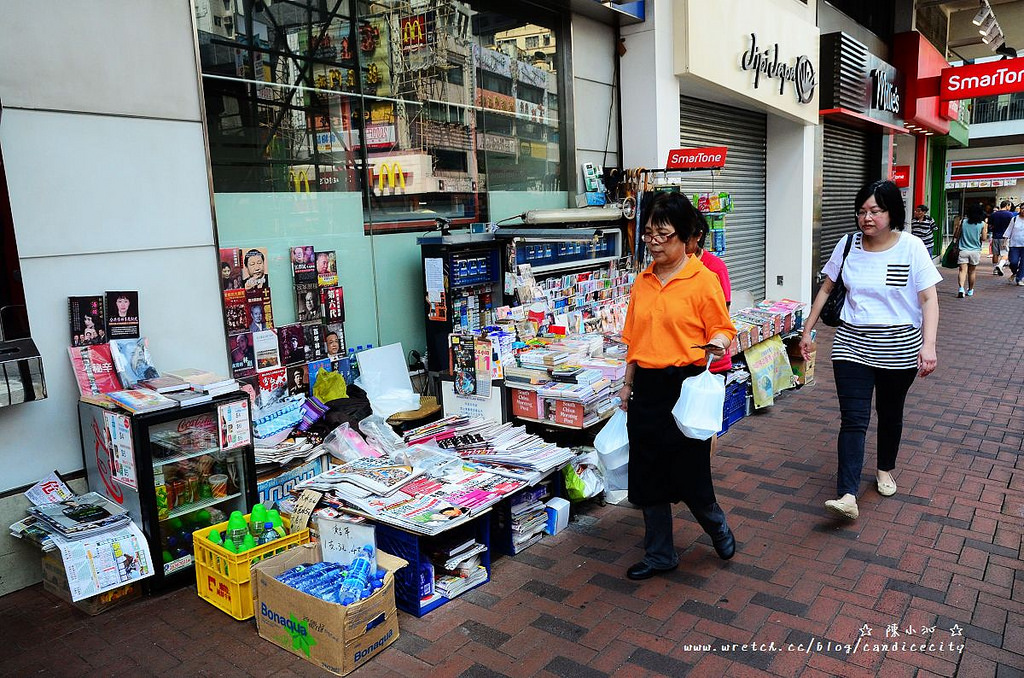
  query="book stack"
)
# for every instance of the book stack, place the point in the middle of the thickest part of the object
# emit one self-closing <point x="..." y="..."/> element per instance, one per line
<point x="165" y="384"/>
<point x="80" y="516"/>
<point x="529" y="518"/>
<point x="209" y="383"/>
<point x="30" y="530"/>
<point x="141" y="400"/>
<point x="524" y="375"/>
<point x="540" y="358"/>
<point x="458" y="567"/>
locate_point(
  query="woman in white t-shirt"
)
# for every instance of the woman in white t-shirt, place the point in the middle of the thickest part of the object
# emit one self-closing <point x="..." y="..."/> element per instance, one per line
<point x="886" y="338"/>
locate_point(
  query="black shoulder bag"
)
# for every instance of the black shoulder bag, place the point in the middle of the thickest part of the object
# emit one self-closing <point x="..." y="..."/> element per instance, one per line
<point x="833" y="307"/>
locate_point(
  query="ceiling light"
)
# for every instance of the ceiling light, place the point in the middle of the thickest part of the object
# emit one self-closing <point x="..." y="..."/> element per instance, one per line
<point x="982" y="14"/>
<point x="992" y="35"/>
<point x="986" y="25"/>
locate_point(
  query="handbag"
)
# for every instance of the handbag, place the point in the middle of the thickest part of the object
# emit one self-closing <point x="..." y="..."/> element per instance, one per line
<point x="951" y="256"/>
<point x="833" y="307"/>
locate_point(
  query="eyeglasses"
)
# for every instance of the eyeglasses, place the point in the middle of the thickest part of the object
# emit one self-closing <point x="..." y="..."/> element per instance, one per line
<point x="874" y="213"/>
<point x="657" y="238"/>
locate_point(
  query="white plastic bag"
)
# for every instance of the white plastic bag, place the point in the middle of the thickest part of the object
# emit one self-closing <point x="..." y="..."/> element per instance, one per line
<point x="612" y="441"/>
<point x="698" y="412"/>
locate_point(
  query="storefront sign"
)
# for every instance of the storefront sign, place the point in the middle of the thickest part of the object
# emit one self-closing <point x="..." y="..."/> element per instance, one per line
<point x="495" y="101"/>
<point x="982" y="80"/>
<point x="885" y="96"/>
<point x="414" y="31"/>
<point x="985" y="169"/>
<point x="901" y="176"/>
<point x="767" y="63"/>
<point x="693" y="158"/>
<point x="494" y="143"/>
<point x="531" y="111"/>
<point x="493" y="61"/>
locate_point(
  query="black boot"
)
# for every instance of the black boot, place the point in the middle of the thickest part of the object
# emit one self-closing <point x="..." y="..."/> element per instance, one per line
<point x="712" y="519"/>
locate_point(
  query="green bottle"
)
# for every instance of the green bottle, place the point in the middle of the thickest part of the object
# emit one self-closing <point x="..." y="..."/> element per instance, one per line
<point x="230" y="546"/>
<point x="214" y="537"/>
<point x="237" y="529"/>
<point x="256" y="520"/>
<point x="274" y="516"/>
<point x="247" y="543"/>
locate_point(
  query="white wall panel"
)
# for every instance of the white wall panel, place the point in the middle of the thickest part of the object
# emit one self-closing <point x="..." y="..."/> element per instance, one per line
<point x="101" y="56"/>
<point x="594" y="103"/>
<point x="92" y="183"/>
<point x="180" y="313"/>
<point x="593" y="50"/>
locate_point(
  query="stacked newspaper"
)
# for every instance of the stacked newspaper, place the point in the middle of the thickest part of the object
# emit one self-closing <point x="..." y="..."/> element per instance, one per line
<point x="80" y="516"/>
<point x="29" y="529"/>
<point x="285" y="452"/>
<point x="450" y="585"/>
<point x="529" y="518"/>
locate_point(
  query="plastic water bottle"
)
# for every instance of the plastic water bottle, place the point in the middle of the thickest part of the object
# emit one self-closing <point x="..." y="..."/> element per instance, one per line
<point x="247" y="543"/>
<point x="256" y="520"/>
<point x="356" y="584"/>
<point x="274" y="516"/>
<point x="215" y="538"/>
<point x="237" y="528"/>
<point x="269" y="534"/>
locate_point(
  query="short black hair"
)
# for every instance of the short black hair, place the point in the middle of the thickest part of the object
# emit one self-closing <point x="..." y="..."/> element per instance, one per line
<point x="1005" y="203"/>
<point x="923" y="208"/>
<point x="888" y="197"/>
<point x="253" y="253"/>
<point x="976" y="213"/>
<point x="676" y="210"/>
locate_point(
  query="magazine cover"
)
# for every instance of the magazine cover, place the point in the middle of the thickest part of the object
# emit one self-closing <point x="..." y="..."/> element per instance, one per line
<point x="307" y="302"/>
<point x="139" y="400"/>
<point x="261" y="316"/>
<point x="298" y="380"/>
<point x="266" y="349"/>
<point x="243" y="357"/>
<point x="81" y="514"/>
<point x="230" y="268"/>
<point x="333" y="302"/>
<point x="94" y="369"/>
<point x="313" y="371"/>
<point x="132" y="360"/>
<point x="316" y="335"/>
<point x="292" y="344"/>
<point x="334" y="341"/>
<point x="271" y="386"/>
<point x="254" y="269"/>
<point x="236" y="311"/>
<point x="303" y="264"/>
<point x="327" y="268"/>
<point x="122" y="315"/>
<point x="86" y="316"/>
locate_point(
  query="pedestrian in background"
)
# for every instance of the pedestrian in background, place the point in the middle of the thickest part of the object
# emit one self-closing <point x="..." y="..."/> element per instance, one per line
<point x="1015" y="242"/>
<point x="923" y="227"/>
<point x="973" y="230"/>
<point x="998" y="222"/>
<point x="886" y="337"/>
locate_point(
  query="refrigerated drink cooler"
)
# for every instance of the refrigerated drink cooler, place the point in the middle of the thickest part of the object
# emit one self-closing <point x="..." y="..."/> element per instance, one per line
<point x="175" y="470"/>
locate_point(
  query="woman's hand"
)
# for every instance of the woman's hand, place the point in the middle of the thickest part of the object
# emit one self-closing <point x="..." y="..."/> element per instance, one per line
<point x="624" y="394"/>
<point x="927" y="360"/>
<point x="806" y="346"/>
<point x="716" y="347"/>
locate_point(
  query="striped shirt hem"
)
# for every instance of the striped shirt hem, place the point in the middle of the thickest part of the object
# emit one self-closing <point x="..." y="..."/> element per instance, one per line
<point x="892" y="347"/>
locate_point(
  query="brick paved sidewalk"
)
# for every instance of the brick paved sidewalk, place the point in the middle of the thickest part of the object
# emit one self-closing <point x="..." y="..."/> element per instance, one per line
<point x="944" y="553"/>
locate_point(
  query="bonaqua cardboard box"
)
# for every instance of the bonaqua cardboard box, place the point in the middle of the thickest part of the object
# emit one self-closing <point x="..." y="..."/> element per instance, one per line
<point x="337" y="638"/>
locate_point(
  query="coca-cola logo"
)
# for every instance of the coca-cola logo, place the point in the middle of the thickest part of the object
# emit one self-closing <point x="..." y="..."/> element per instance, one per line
<point x="192" y="423"/>
<point x="102" y="452"/>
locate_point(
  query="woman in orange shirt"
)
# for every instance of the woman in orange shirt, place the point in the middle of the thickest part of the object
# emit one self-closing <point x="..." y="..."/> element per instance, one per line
<point x="677" y="317"/>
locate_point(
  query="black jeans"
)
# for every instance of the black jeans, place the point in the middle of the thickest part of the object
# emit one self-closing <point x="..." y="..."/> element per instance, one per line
<point x="854" y="386"/>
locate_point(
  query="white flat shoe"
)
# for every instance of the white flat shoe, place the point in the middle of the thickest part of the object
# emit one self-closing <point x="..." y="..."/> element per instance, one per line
<point x="845" y="506"/>
<point x="886" y="486"/>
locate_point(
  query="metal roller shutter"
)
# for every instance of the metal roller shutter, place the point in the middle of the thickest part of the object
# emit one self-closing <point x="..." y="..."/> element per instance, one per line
<point x="704" y="123"/>
<point x="845" y="170"/>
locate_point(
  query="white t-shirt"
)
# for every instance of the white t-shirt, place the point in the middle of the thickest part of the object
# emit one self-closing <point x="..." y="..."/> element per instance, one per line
<point x="882" y="287"/>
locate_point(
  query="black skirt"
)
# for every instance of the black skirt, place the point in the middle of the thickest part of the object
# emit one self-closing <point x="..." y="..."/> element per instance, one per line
<point x="664" y="465"/>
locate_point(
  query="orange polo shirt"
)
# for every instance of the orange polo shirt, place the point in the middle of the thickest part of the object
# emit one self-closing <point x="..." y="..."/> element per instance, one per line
<point x="663" y="323"/>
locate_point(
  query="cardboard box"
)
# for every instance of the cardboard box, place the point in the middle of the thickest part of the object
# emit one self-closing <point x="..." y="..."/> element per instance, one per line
<point x="337" y="638"/>
<point x="804" y="369"/>
<point x="558" y="515"/>
<point x="55" y="581"/>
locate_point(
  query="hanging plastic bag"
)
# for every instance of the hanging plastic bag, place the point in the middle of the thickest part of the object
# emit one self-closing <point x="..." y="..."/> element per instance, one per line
<point x="698" y="412"/>
<point x="612" y="445"/>
<point x="583" y="477"/>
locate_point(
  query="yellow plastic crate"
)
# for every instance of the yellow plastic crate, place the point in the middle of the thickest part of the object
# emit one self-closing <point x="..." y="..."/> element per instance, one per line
<point x="223" y="578"/>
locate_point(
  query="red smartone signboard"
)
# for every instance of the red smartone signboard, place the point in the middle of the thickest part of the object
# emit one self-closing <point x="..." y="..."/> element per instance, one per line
<point x="696" y="158"/>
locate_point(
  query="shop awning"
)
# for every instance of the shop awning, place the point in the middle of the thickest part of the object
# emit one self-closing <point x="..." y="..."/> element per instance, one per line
<point x="985" y="169"/>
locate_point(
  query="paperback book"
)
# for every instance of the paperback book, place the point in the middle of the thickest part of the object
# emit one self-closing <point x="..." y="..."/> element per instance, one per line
<point x="202" y="380"/>
<point x="303" y="264"/>
<point x="86" y="320"/>
<point x="254" y="269"/>
<point x="230" y="268"/>
<point x="327" y="268"/>
<point x="333" y="301"/>
<point x="94" y="369"/>
<point x="261" y="314"/>
<point x="315" y="335"/>
<point x="165" y="384"/>
<point x="141" y="400"/>
<point x="291" y="342"/>
<point x="334" y="341"/>
<point x="243" y="358"/>
<point x="132" y="360"/>
<point x="268" y="355"/>
<point x="236" y="311"/>
<point x="298" y="380"/>
<point x="313" y="371"/>
<point x="122" y="315"/>
<point x="307" y="301"/>
<point x="189" y="397"/>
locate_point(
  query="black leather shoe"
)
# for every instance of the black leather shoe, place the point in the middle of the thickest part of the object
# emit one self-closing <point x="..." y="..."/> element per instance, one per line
<point x="725" y="545"/>
<point x="645" y="571"/>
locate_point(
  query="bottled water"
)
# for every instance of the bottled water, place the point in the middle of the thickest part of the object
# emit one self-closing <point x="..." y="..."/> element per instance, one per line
<point x="269" y="534"/>
<point x="356" y="584"/>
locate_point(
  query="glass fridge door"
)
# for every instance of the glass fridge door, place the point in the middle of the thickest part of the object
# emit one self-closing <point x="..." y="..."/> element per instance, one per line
<point x="199" y="477"/>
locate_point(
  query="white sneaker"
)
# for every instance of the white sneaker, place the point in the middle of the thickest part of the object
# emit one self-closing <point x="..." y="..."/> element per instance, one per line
<point x="845" y="506"/>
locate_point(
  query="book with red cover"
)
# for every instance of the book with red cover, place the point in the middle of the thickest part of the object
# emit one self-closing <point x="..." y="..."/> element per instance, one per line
<point x="291" y="343"/>
<point x="94" y="369"/>
<point x="333" y="301"/>
<point x="303" y="265"/>
<point x="236" y="311"/>
<point x="230" y="268"/>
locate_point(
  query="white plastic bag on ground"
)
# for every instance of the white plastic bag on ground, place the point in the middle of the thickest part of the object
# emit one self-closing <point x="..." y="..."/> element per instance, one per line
<point x="698" y="412"/>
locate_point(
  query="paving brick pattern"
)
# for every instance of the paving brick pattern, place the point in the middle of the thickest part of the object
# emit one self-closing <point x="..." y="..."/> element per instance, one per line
<point x="944" y="553"/>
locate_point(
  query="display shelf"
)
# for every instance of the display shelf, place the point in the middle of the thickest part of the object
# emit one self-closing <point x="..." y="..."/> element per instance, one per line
<point x="182" y="457"/>
<point x="569" y="265"/>
<point x="548" y="422"/>
<point x="196" y="505"/>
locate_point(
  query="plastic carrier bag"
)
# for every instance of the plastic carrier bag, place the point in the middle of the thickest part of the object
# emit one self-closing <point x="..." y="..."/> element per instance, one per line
<point x="698" y="412"/>
<point x="612" y="445"/>
<point x="583" y="477"/>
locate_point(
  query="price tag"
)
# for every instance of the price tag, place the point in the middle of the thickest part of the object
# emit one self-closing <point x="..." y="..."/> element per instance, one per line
<point x="341" y="540"/>
<point x="304" y="507"/>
